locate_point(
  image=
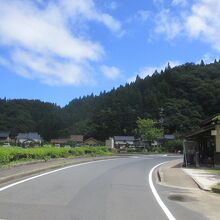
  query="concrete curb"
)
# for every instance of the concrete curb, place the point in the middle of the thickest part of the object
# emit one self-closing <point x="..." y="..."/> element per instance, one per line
<point x="197" y="182"/>
<point x="160" y="173"/>
<point x="35" y="171"/>
<point x="165" y="175"/>
<point x="159" y="176"/>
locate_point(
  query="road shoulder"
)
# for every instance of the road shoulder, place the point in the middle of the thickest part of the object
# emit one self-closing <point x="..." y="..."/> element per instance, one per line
<point x="171" y="174"/>
<point x="24" y="170"/>
<point x="180" y="190"/>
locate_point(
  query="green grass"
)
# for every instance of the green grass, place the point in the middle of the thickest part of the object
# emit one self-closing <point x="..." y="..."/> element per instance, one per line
<point x="14" y="154"/>
<point x="217" y="186"/>
<point x="214" y="171"/>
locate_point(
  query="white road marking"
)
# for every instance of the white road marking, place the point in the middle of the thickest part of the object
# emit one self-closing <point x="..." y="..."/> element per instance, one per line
<point x="50" y="172"/>
<point x="156" y="195"/>
<point x="154" y="191"/>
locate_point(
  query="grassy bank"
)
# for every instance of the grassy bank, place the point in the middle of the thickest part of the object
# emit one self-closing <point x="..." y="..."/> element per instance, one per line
<point x="214" y="171"/>
<point x="216" y="188"/>
<point x="15" y="154"/>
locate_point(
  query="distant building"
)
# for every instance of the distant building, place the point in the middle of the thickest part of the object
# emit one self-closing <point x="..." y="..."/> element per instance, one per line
<point x="109" y="143"/>
<point x="143" y="143"/>
<point x="123" y="141"/>
<point x="76" y="138"/>
<point x="202" y="146"/>
<point x="60" y="141"/>
<point x="168" y="137"/>
<point x="91" y="142"/>
<point x="4" y="136"/>
<point x="27" y="139"/>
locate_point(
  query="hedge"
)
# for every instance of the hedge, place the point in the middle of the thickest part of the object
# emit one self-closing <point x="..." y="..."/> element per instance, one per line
<point x="12" y="154"/>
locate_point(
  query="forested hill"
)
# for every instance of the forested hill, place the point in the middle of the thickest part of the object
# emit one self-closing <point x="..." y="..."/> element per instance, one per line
<point x="21" y="115"/>
<point x="178" y="98"/>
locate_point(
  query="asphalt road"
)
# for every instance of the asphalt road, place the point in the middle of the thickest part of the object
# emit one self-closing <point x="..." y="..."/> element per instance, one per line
<point x="116" y="189"/>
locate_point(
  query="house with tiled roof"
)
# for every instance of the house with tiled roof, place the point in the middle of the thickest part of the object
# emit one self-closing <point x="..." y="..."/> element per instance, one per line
<point x="27" y="139"/>
<point x="4" y="136"/>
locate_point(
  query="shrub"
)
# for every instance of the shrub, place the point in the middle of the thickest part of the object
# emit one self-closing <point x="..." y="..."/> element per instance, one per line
<point x="173" y="145"/>
<point x="4" y="157"/>
<point x="10" y="154"/>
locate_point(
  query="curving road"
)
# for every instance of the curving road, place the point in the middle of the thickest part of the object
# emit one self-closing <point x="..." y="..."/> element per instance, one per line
<point x="115" y="189"/>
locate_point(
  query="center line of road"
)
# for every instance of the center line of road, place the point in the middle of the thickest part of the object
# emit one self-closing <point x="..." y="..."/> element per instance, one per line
<point x="156" y="195"/>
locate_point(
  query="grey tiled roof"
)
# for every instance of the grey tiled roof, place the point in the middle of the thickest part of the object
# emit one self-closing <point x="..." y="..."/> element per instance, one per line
<point x="29" y="135"/>
<point x="123" y="138"/>
<point x="77" y="138"/>
<point x="4" y="134"/>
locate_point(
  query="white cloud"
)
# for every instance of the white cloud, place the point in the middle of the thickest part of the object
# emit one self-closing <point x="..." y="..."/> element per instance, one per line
<point x="88" y="9"/>
<point x="48" y="70"/>
<point x="35" y="31"/>
<point x="113" y="5"/>
<point x="204" y="22"/>
<point x="200" y="20"/>
<point x="41" y="44"/>
<point x="111" y="72"/>
<point x="167" y="24"/>
<point x="149" y="70"/>
<point x="143" y="15"/>
<point x="110" y="22"/>
<point x="179" y="2"/>
<point x="158" y="2"/>
<point x="3" y="61"/>
<point x="208" y="58"/>
<point x="140" y="16"/>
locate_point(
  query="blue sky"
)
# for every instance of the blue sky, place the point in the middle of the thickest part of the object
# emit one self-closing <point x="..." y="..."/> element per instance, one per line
<point x="61" y="49"/>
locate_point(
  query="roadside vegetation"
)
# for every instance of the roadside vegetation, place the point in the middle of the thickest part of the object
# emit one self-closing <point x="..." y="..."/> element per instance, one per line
<point x="214" y="171"/>
<point x="216" y="188"/>
<point x="15" y="154"/>
<point x="11" y="155"/>
<point x="173" y="146"/>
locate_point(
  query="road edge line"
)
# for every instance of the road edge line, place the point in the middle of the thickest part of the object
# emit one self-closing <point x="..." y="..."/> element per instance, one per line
<point x="156" y="195"/>
<point x="50" y="172"/>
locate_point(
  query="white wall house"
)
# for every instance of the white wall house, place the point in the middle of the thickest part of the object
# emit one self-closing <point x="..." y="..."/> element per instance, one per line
<point x="27" y="138"/>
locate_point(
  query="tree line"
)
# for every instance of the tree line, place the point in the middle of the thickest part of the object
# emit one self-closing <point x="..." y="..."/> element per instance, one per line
<point x="176" y="98"/>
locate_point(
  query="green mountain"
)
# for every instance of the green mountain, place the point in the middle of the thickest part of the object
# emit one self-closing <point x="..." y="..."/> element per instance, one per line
<point x="178" y="98"/>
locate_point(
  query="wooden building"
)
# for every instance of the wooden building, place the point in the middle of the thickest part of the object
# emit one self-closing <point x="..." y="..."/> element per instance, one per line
<point x="91" y="142"/>
<point x="202" y="147"/>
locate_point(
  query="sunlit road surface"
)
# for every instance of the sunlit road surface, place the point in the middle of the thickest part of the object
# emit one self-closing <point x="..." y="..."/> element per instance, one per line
<point x="116" y="189"/>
